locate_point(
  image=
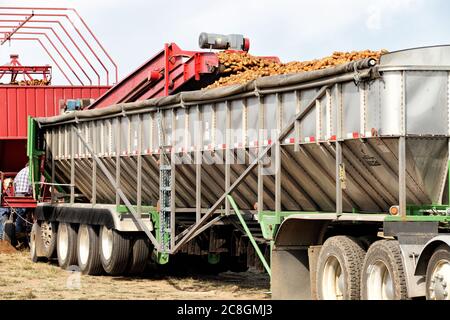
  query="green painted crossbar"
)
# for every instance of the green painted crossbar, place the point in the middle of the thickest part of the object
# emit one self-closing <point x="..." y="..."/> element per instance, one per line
<point x="249" y="234"/>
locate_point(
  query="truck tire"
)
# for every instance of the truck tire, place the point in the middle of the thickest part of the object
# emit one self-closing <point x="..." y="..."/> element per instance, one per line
<point x="383" y="274"/>
<point x="34" y="238"/>
<point x="339" y="269"/>
<point x="9" y="233"/>
<point x="88" y="250"/>
<point x="48" y="235"/>
<point x="139" y="255"/>
<point x="438" y="274"/>
<point x="66" y="245"/>
<point x="114" y="251"/>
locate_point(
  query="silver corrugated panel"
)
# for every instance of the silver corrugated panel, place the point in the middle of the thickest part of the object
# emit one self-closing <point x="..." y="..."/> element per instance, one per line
<point x="400" y="97"/>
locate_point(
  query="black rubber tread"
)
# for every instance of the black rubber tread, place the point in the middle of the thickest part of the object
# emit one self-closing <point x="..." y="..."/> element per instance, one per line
<point x="350" y="254"/>
<point x="93" y="266"/>
<point x="9" y="233"/>
<point x="50" y="251"/>
<point x="118" y="262"/>
<point x="388" y="251"/>
<point x="71" y="259"/>
<point x="139" y="255"/>
<point x="441" y="253"/>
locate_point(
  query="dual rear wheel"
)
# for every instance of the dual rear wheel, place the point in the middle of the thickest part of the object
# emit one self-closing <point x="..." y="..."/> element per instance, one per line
<point x="94" y="250"/>
<point x="346" y="272"/>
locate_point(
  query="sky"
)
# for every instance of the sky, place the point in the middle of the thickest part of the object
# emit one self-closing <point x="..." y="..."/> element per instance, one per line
<point x="134" y="30"/>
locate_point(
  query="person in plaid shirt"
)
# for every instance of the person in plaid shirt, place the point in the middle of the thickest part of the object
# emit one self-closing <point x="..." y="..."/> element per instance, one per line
<point x="22" y="184"/>
<point x="22" y="188"/>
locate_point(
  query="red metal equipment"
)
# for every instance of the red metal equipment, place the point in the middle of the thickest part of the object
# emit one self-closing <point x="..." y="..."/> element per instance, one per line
<point x="19" y="102"/>
<point x="14" y="68"/>
<point x="170" y="71"/>
<point x="7" y="196"/>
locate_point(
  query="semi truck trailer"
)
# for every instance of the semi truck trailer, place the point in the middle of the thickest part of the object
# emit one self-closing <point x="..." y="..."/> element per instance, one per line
<point x="336" y="180"/>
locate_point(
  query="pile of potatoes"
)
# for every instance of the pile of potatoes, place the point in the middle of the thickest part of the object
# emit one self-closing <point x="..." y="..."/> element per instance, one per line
<point x="241" y="67"/>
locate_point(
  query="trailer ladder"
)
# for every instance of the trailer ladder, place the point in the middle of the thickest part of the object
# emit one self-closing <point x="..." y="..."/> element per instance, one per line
<point x="165" y="189"/>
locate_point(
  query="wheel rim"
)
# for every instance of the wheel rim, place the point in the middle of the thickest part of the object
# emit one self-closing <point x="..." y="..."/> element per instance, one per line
<point x="83" y="245"/>
<point x="107" y="242"/>
<point x="440" y="281"/>
<point x="63" y="241"/>
<point x="46" y="234"/>
<point x="379" y="284"/>
<point x="333" y="284"/>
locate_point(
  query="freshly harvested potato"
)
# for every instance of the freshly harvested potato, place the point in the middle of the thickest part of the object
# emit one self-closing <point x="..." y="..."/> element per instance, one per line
<point x="242" y="67"/>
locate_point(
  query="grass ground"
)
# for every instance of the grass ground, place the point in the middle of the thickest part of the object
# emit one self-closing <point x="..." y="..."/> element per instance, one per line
<point x="20" y="278"/>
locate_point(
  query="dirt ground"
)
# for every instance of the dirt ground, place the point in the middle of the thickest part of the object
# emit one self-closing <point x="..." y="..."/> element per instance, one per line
<point x="20" y="278"/>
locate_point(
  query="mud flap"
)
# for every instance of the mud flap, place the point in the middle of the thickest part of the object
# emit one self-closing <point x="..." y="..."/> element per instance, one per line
<point x="290" y="275"/>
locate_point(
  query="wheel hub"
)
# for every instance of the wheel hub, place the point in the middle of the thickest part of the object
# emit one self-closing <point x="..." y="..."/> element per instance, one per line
<point x="380" y="285"/>
<point x="440" y="281"/>
<point x="63" y="243"/>
<point x="46" y="233"/>
<point x="107" y="242"/>
<point x="333" y="282"/>
<point x="84" y="244"/>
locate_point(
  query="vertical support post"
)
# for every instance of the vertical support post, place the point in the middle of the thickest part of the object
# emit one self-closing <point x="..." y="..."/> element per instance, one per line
<point x="139" y="166"/>
<point x="118" y="147"/>
<point x="94" y="164"/>
<point x="338" y="178"/>
<point x="198" y="166"/>
<point x="402" y="175"/>
<point x="172" y="181"/>
<point x="363" y="109"/>
<point x="227" y="153"/>
<point x="52" y="144"/>
<point x="297" y="126"/>
<point x="244" y="124"/>
<point x="402" y="152"/>
<point x="318" y="120"/>
<point x="72" y="166"/>
<point x="278" y="156"/>
<point x="329" y="115"/>
<point x="339" y="161"/>
<point x="260" y="162"/>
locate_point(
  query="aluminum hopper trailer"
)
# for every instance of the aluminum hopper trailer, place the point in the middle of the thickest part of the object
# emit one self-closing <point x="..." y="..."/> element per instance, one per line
<point x="343" y="171"/>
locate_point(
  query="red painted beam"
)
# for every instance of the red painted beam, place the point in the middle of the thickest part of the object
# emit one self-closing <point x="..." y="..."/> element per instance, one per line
<point x="175" y="68"/>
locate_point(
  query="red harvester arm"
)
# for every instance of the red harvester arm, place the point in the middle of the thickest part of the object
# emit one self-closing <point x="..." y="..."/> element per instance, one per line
<point x="168" y="72"/>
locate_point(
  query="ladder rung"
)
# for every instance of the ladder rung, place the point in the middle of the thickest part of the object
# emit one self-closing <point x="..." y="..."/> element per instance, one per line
<point x="165" y="168"/>
<point x="165" y="189"/>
